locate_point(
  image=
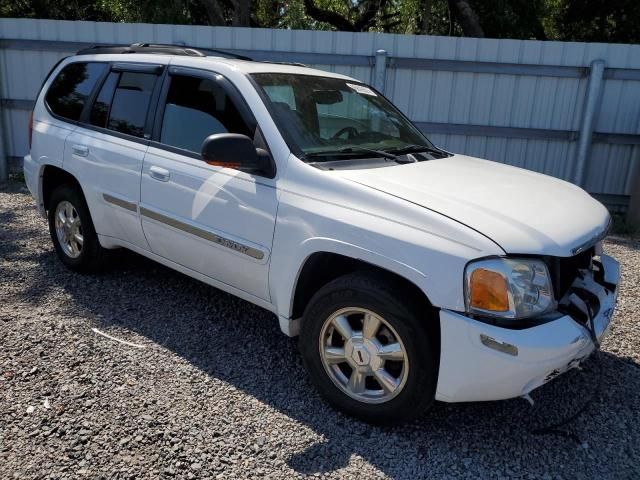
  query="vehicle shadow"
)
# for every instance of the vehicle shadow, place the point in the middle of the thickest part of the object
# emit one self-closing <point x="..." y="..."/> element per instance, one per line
<point x="203" y="325"/>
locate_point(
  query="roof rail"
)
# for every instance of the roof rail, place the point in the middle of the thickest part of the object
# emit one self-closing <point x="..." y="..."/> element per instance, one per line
<point x="294" y="64"/>
<point x="159" y="48"/>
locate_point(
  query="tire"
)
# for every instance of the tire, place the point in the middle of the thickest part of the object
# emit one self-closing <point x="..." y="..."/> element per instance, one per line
<point x="401" y="327"/>
<point x="86" y="256"/>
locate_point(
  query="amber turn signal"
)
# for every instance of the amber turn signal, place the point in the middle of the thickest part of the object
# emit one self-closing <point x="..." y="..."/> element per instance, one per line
<point x="222" y="164"/>
<point x="488" y="291"/>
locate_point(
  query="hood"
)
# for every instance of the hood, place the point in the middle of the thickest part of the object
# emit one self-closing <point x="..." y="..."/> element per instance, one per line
<point x="522" y="211"/>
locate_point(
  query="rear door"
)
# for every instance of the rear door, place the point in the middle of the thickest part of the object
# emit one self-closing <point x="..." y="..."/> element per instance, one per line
<point x="216" y="221"/>
<point x="107" y="149"/>
<point x="59" y="114"/>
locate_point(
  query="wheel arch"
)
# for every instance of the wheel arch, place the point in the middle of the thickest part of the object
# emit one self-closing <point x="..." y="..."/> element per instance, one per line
<point x="321" y="267"/>
<point x="51" y="177"/>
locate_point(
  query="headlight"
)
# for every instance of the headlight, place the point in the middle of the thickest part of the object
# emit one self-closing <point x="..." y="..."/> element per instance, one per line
<point x="508" y="288"/>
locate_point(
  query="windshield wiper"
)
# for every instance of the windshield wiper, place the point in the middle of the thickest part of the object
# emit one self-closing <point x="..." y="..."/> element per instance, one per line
<point x="414" y="148"/>
<point x="351" y="150"/>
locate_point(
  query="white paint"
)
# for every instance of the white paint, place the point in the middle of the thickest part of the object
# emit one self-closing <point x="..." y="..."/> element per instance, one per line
<point x="522" y="211"/>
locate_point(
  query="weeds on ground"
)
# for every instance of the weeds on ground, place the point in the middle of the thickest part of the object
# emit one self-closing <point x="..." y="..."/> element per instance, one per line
<point x="17" y="177"/>
<point x="622" y="227"/>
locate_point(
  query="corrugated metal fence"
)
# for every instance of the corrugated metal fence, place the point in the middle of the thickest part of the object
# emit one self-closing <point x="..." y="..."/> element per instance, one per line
<point x="566" y="109"/>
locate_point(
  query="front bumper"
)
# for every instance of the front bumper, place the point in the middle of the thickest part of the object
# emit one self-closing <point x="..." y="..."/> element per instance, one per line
<point x="472" y="371"/>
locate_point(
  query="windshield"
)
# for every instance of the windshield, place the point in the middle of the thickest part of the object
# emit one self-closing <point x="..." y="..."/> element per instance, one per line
<point x="322" y="115"/>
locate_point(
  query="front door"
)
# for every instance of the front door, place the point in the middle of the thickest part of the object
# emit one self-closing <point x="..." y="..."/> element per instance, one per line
<point x="216" y="221"/>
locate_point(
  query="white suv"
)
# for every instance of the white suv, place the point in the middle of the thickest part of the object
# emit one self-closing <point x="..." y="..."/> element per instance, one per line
<point x="409" y="273"/>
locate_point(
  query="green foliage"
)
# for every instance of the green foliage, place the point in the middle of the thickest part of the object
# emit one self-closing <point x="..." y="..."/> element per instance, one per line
<point x="622" y="226"/>
<point x="513" y="18"/>
<point x="18" y="177"/>
<point x="598" y="20"/>
<point x="577" y="20"/>
<point x="162" y="11"/>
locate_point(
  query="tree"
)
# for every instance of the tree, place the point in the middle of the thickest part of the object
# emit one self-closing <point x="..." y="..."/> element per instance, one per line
<point x="514" y="18"/>
<point x="597" y="21"/>
<point x="467" y="17"/>
<point x="427" y="5"/>
<point x="576" y="20"/>
<point x="239" y="12"/>
<point x="402" y="16"/>
<point x="214" y="12"/>
<point x="359" y="16"/>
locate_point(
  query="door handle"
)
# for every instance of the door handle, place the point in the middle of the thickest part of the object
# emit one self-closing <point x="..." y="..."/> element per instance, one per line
<point x="80" y="150"/>
<point x="159" y="173"/>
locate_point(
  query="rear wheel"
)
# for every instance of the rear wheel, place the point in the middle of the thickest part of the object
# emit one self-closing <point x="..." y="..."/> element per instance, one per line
<point x="72" y="232"/>
<point x="367" y="351"/>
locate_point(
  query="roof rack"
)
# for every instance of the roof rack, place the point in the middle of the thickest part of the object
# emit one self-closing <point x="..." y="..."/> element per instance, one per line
<point x="160" y="48"/>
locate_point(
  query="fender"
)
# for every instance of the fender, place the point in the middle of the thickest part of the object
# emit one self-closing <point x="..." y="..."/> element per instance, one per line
<point x="329" y="245"/>
<point x="287" y="280"/>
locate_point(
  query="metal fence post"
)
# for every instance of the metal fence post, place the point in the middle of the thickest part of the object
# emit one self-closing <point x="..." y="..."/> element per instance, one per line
<point x="589" y="113"/>
<point x="380" y="70"/>
<point x="4" y="159"/>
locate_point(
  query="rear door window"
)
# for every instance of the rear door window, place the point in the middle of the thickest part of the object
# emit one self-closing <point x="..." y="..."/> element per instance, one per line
<point x="71" y="88"/>
<point x="130" y="103"/>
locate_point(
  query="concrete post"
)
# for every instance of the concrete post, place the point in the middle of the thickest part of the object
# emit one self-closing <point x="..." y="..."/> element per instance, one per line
<point x="380" y="70"/>
<point x="589" y="113"/>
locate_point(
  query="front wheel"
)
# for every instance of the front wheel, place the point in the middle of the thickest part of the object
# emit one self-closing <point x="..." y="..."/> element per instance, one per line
<point x="367" y="350"/>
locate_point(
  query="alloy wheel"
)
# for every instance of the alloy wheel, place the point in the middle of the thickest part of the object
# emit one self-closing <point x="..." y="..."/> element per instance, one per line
<point x="69" y="229"/>
<point x="363" y="355"/>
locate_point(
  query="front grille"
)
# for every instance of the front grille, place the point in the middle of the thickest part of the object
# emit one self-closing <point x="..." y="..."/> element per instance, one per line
<point x="564" y="270"/>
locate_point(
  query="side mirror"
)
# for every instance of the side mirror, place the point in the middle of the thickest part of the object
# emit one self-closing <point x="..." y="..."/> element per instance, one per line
<point x="232" y="150"/>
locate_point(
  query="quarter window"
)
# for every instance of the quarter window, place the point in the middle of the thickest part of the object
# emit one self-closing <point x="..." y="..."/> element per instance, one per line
<point x="71" y="88"/>
<point x="130" y="103"/>
<point x="196" y="108"/>
<point x="100" y="109"/>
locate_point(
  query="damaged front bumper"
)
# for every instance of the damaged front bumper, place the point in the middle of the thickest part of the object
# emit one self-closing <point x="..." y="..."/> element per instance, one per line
<point x="481" y="362"/>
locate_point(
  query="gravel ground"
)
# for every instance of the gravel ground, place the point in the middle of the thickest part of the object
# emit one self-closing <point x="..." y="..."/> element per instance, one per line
<point x="211" y="389"/>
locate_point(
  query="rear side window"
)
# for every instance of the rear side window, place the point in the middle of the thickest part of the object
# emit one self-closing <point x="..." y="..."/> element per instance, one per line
<point x="196" y="108"/>
<point x="71" y="88"/>
<point x="130" y="102"/>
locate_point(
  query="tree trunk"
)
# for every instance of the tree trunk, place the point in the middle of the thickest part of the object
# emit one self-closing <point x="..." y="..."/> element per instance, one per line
<point x="214" y="12"/>
<point x="426" y="16"/>
<point x="241" y="13"/>
<point x="366" y="18"/>
<point x="327" y="16"/>
<point x="467" y="17"/>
